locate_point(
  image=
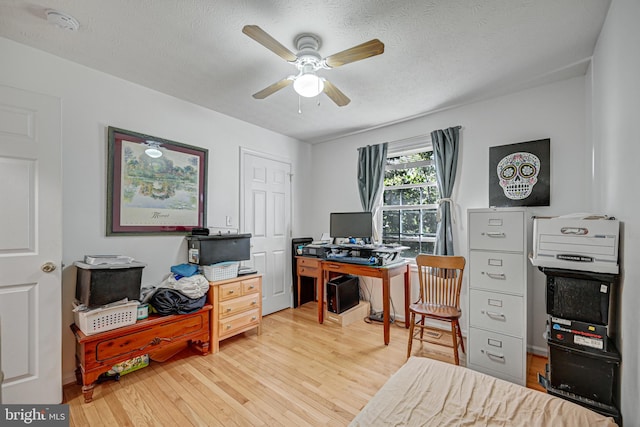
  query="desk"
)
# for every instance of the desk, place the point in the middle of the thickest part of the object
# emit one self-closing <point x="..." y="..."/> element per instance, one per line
<point x="333" y="268"/>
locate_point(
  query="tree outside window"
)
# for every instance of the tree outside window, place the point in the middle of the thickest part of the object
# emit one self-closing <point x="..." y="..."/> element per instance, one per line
<point x="410" y="202"/>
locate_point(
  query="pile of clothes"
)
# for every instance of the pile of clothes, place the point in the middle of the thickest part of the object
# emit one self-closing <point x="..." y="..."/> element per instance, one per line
<point x="183" y="291"/>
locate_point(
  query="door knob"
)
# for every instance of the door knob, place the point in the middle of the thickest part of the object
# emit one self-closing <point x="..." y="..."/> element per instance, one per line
<point x="48" y="267"/>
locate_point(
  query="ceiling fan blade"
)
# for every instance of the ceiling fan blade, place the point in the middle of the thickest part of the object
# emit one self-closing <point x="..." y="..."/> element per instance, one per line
<point x="259" y="35"/>
<point x="273" y="88"/>
<point x="362" y="51"/>
<point x="335" y="94"/>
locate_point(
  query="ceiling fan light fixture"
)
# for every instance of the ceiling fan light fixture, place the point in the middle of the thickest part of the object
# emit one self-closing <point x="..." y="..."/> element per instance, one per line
<point x="153" y="150"/>
<point x="308" y="85"/>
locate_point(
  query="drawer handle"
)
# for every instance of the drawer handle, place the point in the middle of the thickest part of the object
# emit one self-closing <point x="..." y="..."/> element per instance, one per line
<point x="155" y="341"/>
<point x="251" y="287"/>
<point x="231" y="291"/>
<point x="228" y="309"/>
<point x="494" y="355"/>
<point x="498" y="276"/>
<point x="254" y="318"/>
<point x="496" y="234"/>
<point x="229" y="326"/>
<point x="494" y="315"/>
<point x="254" y="302"/>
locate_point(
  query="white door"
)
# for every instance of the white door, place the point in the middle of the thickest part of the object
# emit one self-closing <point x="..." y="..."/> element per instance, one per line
<point x="30" y="247"/>
<point x="266" y="213"/>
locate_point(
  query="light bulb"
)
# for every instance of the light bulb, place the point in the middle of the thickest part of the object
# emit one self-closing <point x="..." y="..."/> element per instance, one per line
<point x="153" y="153"/>
<point x="308" y="85"/>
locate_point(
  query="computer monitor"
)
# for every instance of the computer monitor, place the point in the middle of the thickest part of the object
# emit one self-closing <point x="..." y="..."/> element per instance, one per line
<point x="351" y="224"/>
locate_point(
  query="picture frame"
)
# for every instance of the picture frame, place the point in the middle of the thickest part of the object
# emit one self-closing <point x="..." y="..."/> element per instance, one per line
<point x="154" y="185"/>
<point x="519" y="174"/>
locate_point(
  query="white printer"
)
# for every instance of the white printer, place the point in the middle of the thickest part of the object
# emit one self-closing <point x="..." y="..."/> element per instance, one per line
<point x="576" y="242"/>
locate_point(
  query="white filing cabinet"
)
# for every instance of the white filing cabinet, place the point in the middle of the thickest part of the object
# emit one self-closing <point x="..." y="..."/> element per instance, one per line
<point x="498" y="275"/>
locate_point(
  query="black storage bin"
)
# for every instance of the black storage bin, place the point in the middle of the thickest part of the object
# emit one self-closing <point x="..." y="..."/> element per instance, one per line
<point x="207" y="250"/>
<point x="102" y="284"/>
<point x="343" y="293"/>
<point x="588" y="373"/>
<point x="580" y="295"/>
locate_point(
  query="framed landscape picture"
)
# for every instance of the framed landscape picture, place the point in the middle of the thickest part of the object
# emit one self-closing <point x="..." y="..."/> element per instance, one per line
<point x="519" y="174"/>
<point x="154" y="185"/>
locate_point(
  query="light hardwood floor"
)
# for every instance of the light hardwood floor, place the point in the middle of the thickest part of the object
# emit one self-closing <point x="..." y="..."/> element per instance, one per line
<point x="297" y="372"/>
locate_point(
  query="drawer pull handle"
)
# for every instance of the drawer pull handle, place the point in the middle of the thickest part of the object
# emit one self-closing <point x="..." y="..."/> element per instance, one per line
<point x="494" y="315"/>
<point x="251" y="287"/>
<point x="155" y="341"/>
<point x="254" y="302"/>
<point x="254" y="318"/>
<point x="494" y="355"/>
<point x="229" y="326"/>
<point x="228" y="309"/>
<point x="231" y="291"/>
<point x="497" y="276"/>
<point x="496" y="234"/>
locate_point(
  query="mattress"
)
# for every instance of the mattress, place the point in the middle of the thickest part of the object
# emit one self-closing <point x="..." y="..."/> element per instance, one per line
<point x="426" y="392"/>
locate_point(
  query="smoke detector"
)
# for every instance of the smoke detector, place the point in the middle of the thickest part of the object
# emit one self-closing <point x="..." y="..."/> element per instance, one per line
<point x="62" y="20"/>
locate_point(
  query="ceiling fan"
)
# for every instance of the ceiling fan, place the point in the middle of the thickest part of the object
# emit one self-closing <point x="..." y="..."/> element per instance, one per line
<point x="308" y="61"/>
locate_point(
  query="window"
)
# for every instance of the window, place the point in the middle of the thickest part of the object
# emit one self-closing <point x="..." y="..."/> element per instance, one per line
<point x="410" y="201"/>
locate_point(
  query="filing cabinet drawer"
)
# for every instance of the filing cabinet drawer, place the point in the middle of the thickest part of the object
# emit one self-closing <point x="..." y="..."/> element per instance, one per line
<point x="497" y="312"/>
<point x="499" y="231"/>
<point x="496" y="354"/>
<point x="498" y="271"/>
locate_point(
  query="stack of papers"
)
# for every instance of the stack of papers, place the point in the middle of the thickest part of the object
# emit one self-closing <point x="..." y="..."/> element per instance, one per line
<point x="107" y="259"/>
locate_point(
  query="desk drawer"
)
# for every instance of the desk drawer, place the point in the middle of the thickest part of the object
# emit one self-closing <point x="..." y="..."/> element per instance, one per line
<point x="497" y="312"/>
<point x="229" y="325"/>
<point x="308" y="271"/>
<point x="497" y="271"/>
<point x="309" y="262"/>
<point x="498" y="231"/>
<point x="238" y="305"/>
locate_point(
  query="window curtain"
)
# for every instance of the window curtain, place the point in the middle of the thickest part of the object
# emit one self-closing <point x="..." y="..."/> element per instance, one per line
<point x="371" y="163"/>
<point x="445" y="155"/>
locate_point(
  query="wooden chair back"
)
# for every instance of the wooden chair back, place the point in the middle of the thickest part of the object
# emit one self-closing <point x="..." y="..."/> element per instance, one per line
<point x="440" y="279"/>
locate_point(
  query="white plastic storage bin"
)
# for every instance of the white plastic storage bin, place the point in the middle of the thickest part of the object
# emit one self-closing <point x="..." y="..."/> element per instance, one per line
<point x="106" y="318"/>
<point x="221" y="271"/>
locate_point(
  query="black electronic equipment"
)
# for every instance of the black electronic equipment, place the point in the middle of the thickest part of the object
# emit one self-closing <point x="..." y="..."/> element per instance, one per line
<point x="351" y="224"/>
<point x="343" y="293"/>
<point x="199" y="231"/>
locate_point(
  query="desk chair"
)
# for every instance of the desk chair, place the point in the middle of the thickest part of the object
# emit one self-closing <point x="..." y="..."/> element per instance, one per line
<point x="440" y="284"/>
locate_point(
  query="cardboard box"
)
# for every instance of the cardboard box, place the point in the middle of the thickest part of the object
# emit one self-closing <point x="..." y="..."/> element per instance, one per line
<point x="354" y="314"/>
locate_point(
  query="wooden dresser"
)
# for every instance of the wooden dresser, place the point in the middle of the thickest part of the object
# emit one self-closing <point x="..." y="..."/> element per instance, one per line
<point x="158" y="336"/>
<point x="498" y="272"/>
<point x="237" y="307"/>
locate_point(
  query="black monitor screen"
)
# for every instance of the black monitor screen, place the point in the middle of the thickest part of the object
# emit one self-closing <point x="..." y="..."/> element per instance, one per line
<point x="351" y="224"/>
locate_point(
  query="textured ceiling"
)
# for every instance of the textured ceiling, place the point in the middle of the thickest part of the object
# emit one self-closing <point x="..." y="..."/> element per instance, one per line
<point x="438" y="53"/>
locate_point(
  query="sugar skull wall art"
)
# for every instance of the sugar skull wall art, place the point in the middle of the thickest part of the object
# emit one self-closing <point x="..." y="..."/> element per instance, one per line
<point x="519" y="174"/>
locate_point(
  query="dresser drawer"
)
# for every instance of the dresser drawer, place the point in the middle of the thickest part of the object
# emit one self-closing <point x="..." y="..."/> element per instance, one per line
<point x="498" y="271"/>
<point x="497" y="312"/>
<point x="230" y="290"/>
<point x="250" y="286"/>
<point x="229" y="325"/>
<point x="499" y="231"/>
<point x="237" y="305"/>
<point x="152" y="338"/>
<point x="500" y="354"/>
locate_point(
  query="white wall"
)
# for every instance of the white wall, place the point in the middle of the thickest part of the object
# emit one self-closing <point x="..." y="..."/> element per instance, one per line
<point x="555" y="111"/>
<point x="615" y="111"/>
<point x="91" y="101"/>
